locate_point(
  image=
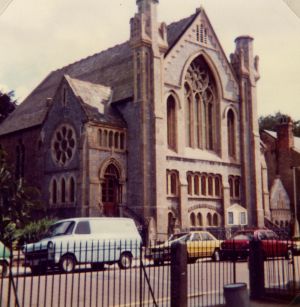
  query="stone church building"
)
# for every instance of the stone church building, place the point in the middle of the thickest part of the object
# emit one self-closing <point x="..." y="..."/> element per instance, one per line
<point x="162" y="128"/>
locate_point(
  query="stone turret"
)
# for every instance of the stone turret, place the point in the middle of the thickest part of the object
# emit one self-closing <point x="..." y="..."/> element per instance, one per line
<point x="246" y="68"/>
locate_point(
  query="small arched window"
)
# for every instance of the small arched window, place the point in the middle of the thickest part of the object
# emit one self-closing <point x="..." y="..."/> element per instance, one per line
<point x="122" y="141"/>
<point x="171" y="123"/>
<point x="63" y="190"/>
<point x="117" y="140"/>
<point x="231" y="133"/>
<point x="196" y="185"/>
<point x="193" y="219"/>
<point x="72" y="190"/>
<point x="203" y="185"/>
<point x="231" y="186"/>
<point x="189" y="182"/>
<point x="199" y="218"/>
<point x="215" y="219"/>
<point x="110" y="139"/>
<point x="100" y="137"/>
<point x="210" y="186"/>
<point x="217" y="186"/>
<point x="54" y="191"/>
<point x="104" y="142"/>
<point x="173" y="182"/>
<point x="209" y="219"/>
<point x="237" y="187"/>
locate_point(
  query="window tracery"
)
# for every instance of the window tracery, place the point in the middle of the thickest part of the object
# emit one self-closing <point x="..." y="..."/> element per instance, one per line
<point x="200" y="99"/>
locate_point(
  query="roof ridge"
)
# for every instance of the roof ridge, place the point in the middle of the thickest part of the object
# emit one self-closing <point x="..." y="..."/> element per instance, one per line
<point x="89" y="57"/>
<point x="180" y="20"/>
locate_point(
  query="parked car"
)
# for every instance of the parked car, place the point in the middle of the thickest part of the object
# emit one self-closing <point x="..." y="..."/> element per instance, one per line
<point x="95" y="241"/>
<point x="237" y="247"/>
<point x="200" y="244"/>
<point x="4" y="260"/>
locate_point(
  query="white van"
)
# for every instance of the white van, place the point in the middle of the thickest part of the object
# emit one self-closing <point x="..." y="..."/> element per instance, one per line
<point x="95" y="241"/>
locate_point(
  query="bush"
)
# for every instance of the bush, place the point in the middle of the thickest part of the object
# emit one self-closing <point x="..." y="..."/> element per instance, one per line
<point x="34" y="231"/>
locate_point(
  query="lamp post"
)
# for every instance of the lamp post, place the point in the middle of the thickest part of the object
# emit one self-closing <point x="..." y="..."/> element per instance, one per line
<point x="296" y="223"/>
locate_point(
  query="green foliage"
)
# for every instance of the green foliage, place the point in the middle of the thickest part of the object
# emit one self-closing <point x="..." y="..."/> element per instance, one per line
<point x="7" y="104"/>
<point x="34" y="231"/>
<point x="18" y="202"/>
<point x="270" y="122"/>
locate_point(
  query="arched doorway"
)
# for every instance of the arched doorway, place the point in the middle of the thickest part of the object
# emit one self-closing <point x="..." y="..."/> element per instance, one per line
<point x="111" y="191"/>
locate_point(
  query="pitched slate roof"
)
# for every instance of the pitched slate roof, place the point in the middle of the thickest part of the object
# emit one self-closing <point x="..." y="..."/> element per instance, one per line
<point x="112" y="68"/>
<point x="95" y="100"/>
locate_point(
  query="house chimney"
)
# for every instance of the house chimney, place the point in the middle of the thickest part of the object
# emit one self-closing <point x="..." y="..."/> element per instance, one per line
<point x="285" y="136"/>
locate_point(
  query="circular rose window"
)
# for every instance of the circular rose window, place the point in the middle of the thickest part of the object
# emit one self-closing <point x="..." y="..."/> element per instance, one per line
<point x="63" y="144"/>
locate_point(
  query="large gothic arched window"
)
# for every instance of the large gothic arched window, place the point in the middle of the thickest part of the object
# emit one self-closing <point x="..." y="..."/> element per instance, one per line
<point x="200" y="106"/>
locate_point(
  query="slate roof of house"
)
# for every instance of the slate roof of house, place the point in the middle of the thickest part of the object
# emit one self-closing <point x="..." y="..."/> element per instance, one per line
<point x="111" y="68"/>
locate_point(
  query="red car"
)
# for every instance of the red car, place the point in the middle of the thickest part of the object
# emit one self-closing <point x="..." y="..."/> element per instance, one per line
<point x="237" y="247"/>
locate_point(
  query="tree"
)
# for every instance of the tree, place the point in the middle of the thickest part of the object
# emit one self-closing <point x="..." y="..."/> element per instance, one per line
<point x="270" y="122"/>
<point x="7" y="104"/>
<point x="18" y="202"/>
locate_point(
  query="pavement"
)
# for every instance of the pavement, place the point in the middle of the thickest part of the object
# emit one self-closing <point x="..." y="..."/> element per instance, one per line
<point x="272" y="304"/>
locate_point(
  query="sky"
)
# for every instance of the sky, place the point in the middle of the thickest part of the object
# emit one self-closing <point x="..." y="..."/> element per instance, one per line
<point x="38" y="37"/>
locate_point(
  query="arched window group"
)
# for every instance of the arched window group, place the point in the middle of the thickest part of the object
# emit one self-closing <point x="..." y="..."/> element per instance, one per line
<point x="172" y="183"/>
<point x="62" y="191"/>
<point x="210" y="219"/>
<point x="171" y="123"/>
<point x="200" y="106"/>
<point x="235" y="186"/>
<point x="203" y="184"/>
<point x="231" y="134"/>
<point x="111" y="139"/>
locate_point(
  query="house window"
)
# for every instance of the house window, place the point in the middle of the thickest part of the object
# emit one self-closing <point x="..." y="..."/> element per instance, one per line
<point x="20" y="160"/>
<point x="243" y="218"/>
<point x="122" y="141"/>
<point x="230" y="218"/>
<point x="110" y="139"/>
<point x="171" y="123"/>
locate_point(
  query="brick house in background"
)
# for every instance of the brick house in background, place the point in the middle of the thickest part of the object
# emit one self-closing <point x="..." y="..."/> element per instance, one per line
<point x="282" y="152"/>
<point x="162" y="128"/>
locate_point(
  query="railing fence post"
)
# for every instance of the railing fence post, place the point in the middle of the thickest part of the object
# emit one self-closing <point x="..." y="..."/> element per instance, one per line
<point x="178" y="275"/>
<point x="256" y="270"/>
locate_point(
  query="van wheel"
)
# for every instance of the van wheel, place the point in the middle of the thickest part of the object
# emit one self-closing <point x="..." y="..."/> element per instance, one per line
<point x="97" y="266"/>
<point x="216" y="256"/>
<point x="125" y="261"/>
<point x="3" y="268"/>
<point x="67" y="263"/>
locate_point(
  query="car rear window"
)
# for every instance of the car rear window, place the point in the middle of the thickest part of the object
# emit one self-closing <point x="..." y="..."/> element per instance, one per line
<point x="243" y="236"/>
